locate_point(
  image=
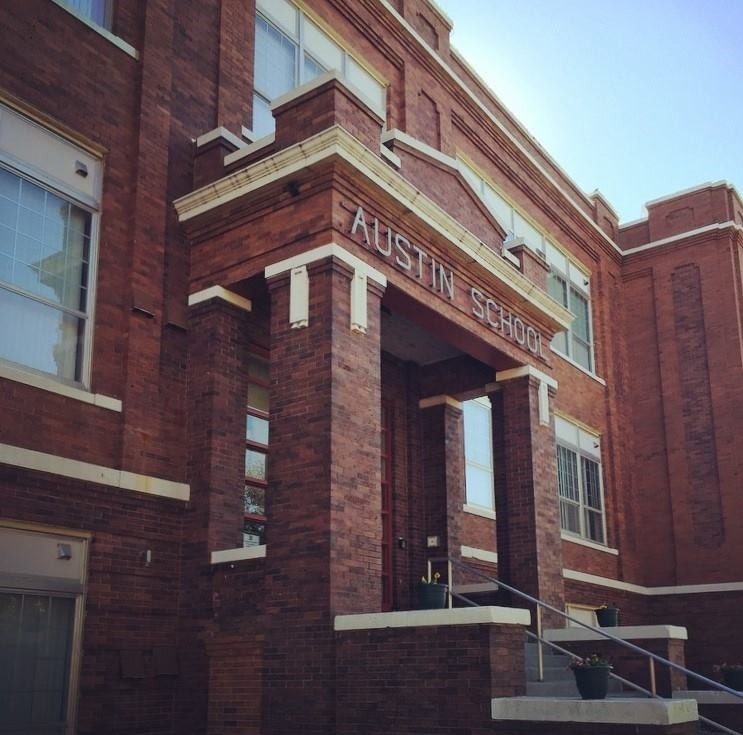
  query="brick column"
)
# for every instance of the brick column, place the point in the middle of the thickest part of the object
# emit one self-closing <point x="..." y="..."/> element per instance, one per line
<point x="527" y="506"/>
<point x="324" y="505"/>
<point x="443" y="474"/>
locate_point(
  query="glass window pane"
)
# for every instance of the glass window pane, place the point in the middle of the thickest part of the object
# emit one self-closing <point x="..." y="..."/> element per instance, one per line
<point x="557" y="288"/>
<point x="560" y="342"/>
<point x="324" y="49"/>
<point x="579" y="307"/>
<point x="569" y="516"/>
<point x="255" y="464"/>
<point x="256" y="430"/>
<point x="581" y="353"/>
<point x="567" y="474"/>
<point x="263" y="120"/>
<point x="10" y="185"/>
<point x="275" y="60"/>
<point x="479" y="483"/>
<point x="477" y="436"/>
<point x="366" y="83"/>
<point x="500" y="207"/>
<point x="8" y="213"/>
<point x="254" y="533"/>
<point x="591" y="484"/>
<point x="311" y="69"/>
<point x="258" y="367"/>
<point x="255" y="500"/>
<point x="40" y="336"/>
<point x="257" y="397"/>
<point x="594" y="526"/>
<point x="531" y="235"/>
<point x="282" y="12"/>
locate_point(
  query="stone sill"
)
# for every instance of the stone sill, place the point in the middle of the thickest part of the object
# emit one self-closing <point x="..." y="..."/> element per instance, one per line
<point x="625" y="632"/>
<point x="609" y="711"/>
<point x="704" y="696"/>
<point x="487" y="615"/>
<point x="239" y="554"/>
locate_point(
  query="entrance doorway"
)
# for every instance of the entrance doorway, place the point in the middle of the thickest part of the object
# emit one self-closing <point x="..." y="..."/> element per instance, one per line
<point x="387" y="475"/>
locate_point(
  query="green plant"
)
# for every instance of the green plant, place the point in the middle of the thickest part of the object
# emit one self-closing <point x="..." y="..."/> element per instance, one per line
<point x="724" y="666"/>
<point x="433" y="580"/>
<point x="589" y="662"/>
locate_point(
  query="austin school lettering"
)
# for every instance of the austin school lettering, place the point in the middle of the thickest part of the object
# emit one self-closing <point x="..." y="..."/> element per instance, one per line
<point x="407" y="256"/>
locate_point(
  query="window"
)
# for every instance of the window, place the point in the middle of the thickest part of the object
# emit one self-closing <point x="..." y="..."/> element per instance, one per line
<point x="290" y="50"/>
<point x="256" y="451"/>
<point x="566" y="282"/>
<point x="98" y="11"/>
<point x="579" y="481"/>
<point x="36" y="632"/>
<point x="478" y="453"/>
<point x="47" y="245"/>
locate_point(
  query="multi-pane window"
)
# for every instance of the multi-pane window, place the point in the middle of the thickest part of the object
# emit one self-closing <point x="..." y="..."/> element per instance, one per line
<point x="478" y="453"/>
<point x="45" y="257"/>
<point x="256" y="451"/>
<point x="579" y="481"/>
<point x="290" y="49"/>
<point x="99" y="11"/>
<point x="566" y="283"/>
<point x="35" y="646"/>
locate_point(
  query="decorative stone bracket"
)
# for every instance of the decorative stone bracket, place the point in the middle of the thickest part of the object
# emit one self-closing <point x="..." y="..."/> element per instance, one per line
<point x="299" y="285"/>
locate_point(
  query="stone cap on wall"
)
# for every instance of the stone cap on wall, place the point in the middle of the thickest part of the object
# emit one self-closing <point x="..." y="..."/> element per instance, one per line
<point x="625" y="632"/>
<point x="629" y="711"/>
<point x="488" y="615"/>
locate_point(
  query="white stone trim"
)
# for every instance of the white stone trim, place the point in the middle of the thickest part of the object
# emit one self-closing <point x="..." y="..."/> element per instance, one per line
<point x="337" y="142"/>
<point x="240" y="554"/>
<point x="87" y="472"/>
<point x="219" y="292"/>
<point x="42" y="382"/>
<point x="423" y="618"/>
<point x="252" y="147"/>
<point x="217" y="133"/>
<point x="441" y="400"/>
<point x="248" y="134"/>
<point x="615" y="710"/>
<point x="590" y="544"/>
<point x="359" y="321"/>
<point x="476" y="510"/>
<point x="470" y="552"/>
<point x="729" y="225"/>
<point x="685" y="589"/>
<point x="625" y="632"/>
<point x="520" y="372"/>
<point x="120" y="43"/>
<point x="501" y="126"/>
<point x="391" y="157"/>
<point x="420" y="146"/>
<point x="326" y="251"/>
<point x="703" y="696"/>
<point x="584" y="370"/>
<point x="299" y="297"/>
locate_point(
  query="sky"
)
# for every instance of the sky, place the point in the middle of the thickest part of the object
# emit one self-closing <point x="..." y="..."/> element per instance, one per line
<point x="636" y="98"/>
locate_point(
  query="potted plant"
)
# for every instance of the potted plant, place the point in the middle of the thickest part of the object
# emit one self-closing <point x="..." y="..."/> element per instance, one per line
<point x="432" y="595"/>
<point x="591" y="676"/>
<point x="732" y="675"/>
<point x="607" y="616"/>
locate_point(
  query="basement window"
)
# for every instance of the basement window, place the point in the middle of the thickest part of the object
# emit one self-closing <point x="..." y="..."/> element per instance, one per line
<point x="256" y="451"/>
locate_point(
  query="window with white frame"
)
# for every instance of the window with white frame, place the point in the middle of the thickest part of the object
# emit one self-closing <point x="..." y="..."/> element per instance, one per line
<point x="579" y="481"/>
<point x="99" y="12"/>
<point x="567" y="283"/>
<point x="47" y="249"/>
<point x="290" y="50"/>
<point x="478" y="453"/>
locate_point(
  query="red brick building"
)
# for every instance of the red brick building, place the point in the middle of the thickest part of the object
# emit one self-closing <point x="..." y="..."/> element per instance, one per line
<point x="289" y="304"/>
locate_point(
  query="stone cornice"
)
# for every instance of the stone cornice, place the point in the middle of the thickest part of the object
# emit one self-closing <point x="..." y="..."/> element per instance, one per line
<point x="338" y="143"/>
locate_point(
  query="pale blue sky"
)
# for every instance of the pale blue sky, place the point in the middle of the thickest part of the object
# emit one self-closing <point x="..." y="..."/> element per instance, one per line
<point x="638" y="98"/>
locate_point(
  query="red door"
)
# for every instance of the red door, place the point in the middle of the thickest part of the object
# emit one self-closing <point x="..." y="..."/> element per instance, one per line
<point x="386" y="458"/>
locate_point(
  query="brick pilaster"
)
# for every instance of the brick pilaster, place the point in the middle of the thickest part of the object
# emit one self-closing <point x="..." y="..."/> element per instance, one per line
<point x="324" y="505"/>
<point x="527" y="506"/>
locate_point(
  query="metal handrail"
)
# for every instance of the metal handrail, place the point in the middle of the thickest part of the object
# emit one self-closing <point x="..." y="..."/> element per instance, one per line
<point x="451" y="562"/>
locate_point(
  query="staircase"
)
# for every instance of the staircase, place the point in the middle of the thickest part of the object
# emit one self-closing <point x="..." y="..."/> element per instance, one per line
<point x="559" y="680"/>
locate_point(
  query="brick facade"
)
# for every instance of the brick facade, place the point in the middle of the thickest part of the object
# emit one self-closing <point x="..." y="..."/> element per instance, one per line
<point x="181" y="629"/>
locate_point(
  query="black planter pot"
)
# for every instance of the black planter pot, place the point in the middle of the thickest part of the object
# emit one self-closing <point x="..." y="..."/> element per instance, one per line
<point x="733" y="678"/>
<point x="592" y="681"/>
<point x="432" y="596"/>
<point x="608" y="617"/>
